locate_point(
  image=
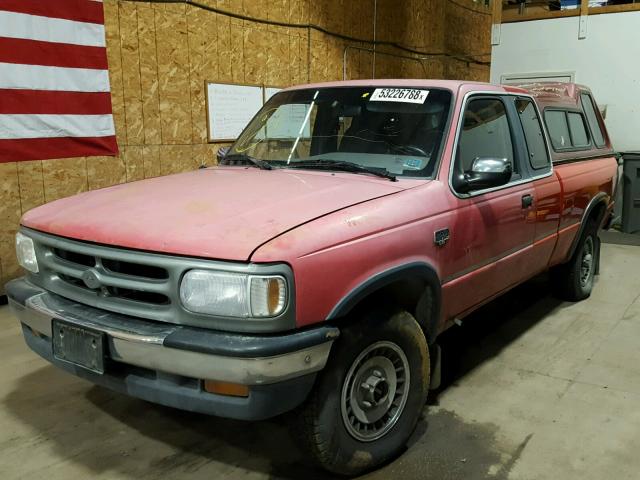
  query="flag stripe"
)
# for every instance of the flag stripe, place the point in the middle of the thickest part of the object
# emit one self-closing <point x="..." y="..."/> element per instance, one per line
<point x="55" y="99"/>
<point x="34" y="52"/>
<point x="15" y="126"/>
<point x="37" y="77"/>
<point x="78" y="10"/>
<point x="62" y="103"/>
<point x="45" y="148"/>
<point x="32" y="27"/>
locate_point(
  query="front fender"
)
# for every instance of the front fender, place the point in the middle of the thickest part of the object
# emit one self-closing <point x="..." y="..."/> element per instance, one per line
<point x="339" y="259"/>
<point x="427" y="303"/>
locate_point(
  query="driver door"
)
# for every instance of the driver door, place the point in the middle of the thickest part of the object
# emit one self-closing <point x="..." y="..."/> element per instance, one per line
<point x="493" y="229"/>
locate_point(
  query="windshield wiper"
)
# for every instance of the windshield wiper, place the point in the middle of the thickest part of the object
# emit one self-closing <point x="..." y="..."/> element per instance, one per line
<point x="340" y="165"/>
<point x="244" y="158"/>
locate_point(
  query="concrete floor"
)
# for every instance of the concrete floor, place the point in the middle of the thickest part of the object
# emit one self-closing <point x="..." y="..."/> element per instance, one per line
<point x="533" y="389"/>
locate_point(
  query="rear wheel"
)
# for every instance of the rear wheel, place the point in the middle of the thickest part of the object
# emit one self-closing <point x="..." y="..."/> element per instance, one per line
<point x="368" y="399"/>
<point x="573" y="281"/>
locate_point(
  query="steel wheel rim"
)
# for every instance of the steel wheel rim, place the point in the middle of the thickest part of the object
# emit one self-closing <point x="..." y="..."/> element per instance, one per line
<point x="586" y="263"/>
<point x="375" y="391"/>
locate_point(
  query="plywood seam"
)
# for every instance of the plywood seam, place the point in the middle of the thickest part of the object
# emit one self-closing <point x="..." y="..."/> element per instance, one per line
<point x="186" y="19"/>
<point x="140" y="77"/>
<point x="19" y="188"/>
<point x="308" y="52"/>
<point x="44" y="198"/>
<point x="124" y="110"/>
<point x="244" y="70"/>
<point x="155" y="35"/>
<point x="86" y="173"/>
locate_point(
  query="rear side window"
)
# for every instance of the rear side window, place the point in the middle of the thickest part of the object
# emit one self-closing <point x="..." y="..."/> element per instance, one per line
<point x="558" y="129"/>
<point x="567" y="130"/>
<point x="538" y="154"/>
<point x="579" y="136"/>
<point x="592" y="118"/>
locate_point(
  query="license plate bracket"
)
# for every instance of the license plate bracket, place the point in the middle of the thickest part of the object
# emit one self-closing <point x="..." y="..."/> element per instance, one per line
<point x="78" y="345"/>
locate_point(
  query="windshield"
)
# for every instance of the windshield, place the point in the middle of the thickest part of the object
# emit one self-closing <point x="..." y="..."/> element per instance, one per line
<point x="393" y="130"/>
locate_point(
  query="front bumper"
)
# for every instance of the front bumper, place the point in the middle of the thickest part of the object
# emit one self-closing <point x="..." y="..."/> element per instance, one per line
<point x="165" y="363"/>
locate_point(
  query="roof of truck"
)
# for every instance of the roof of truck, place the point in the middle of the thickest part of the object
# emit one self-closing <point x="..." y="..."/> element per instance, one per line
<point x="453" y="85"/>
<point x="555" y="93"/>
<point x="545" y="93"/>
<point x="567" y="96"/>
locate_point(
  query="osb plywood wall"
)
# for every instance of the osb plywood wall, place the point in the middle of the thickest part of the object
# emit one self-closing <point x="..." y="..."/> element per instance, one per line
<point x="161" y="54"/>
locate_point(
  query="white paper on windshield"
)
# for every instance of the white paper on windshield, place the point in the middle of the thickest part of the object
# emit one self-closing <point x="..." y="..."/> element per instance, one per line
<point x="287" y="121"/>
<point x="405" y="95"/>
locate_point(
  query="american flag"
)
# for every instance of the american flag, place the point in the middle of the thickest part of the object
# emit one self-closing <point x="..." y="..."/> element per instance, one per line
<point x="55" y="99"/>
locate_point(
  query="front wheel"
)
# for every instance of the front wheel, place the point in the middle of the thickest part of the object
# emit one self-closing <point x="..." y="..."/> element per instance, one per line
<point x="368" y="399"/>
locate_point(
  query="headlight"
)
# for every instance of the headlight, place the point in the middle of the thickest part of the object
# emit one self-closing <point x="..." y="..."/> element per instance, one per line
<point x="233" y="294"/>
<point x="26" y="253"/>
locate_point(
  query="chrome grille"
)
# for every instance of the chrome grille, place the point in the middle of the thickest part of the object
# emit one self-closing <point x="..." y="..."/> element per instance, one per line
<point x="109" y="280"/>
<point x="117" y="279"/>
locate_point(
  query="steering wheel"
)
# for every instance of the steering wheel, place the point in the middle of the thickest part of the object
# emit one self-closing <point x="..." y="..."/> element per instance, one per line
<point x="409" y="150"/>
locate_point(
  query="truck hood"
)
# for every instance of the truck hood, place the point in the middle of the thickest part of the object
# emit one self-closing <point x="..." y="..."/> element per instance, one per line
<point x="221" y="213"/>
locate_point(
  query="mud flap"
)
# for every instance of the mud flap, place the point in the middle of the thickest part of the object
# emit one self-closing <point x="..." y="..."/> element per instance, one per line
<point x="597" y="252"/>
<point x="435" y="353"/>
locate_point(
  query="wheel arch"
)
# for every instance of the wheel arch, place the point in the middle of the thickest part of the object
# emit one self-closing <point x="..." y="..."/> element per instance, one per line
<point x="596" y="210"/>
<point x="414" y="286"/>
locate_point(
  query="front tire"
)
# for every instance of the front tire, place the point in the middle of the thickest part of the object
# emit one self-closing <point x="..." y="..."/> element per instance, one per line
<point x="367" y="400"/>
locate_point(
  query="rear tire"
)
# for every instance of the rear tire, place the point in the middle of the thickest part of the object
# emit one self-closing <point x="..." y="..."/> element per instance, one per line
<point x="367" y="400"/>
<point x="573" y="281"/>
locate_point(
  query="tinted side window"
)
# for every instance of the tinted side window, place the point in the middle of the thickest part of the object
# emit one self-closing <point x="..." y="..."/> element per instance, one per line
<point x="538" y="154"/>
<point x="485" y="133"/>
<point x="578" y="129"/>
<point x="592" y="118"/>
<point x="558" y="129"/>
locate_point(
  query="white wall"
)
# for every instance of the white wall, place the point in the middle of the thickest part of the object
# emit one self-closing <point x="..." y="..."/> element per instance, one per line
<point x="607" y="61"/>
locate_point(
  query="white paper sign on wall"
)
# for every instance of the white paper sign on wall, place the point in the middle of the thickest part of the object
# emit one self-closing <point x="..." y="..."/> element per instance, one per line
<point x="230" y="108"/>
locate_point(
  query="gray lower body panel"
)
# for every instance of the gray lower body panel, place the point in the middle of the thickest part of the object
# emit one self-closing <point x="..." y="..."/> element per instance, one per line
<point x="264" y="401"/>
<point x="166" y="363"/>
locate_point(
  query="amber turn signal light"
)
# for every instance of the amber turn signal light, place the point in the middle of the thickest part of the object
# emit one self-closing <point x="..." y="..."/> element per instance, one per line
<point x="226" y="388"/>
<point x="275" y="295"/>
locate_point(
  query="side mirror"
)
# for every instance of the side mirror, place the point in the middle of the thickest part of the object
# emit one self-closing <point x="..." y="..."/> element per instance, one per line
<point x="222" y="152"/>
<point x="486" y="172"/>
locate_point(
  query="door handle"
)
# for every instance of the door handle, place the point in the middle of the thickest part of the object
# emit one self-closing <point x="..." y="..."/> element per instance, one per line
<point x="527" y="201"/>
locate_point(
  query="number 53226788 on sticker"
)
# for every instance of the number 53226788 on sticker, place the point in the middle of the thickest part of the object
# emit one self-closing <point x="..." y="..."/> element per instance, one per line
<point x="407" y="95"/>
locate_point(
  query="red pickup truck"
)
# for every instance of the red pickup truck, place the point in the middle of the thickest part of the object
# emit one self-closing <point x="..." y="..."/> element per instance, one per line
<point x="313" y="269"/>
